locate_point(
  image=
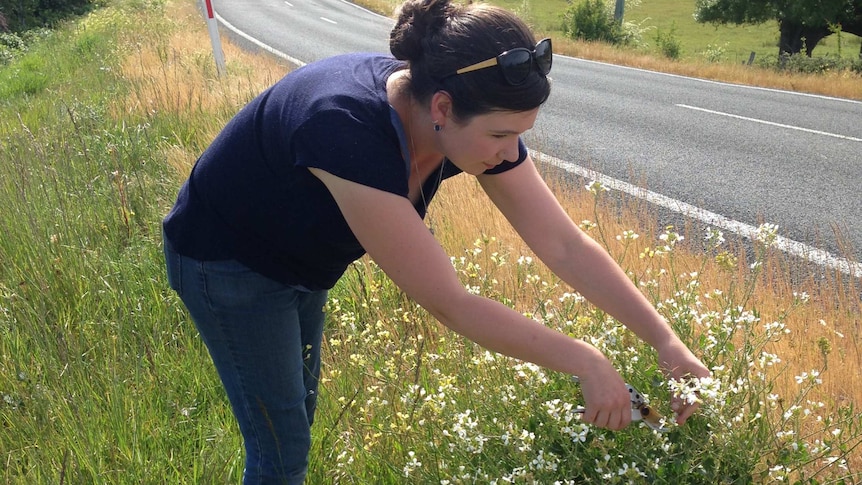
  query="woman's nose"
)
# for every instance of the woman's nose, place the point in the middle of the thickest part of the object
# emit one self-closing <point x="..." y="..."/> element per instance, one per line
<point x="509" y="152"/>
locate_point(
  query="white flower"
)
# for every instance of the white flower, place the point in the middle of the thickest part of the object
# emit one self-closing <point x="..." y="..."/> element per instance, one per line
<point x="766" y="234"/>
<point x="596" y="187"/>
<point x="587" y="224"/>
<point x="412" y="464"/>
<point x="714" y="237"/>
<point x="626" y="470"/>
<point x="813" y="377"/>
<point x="628" y="235"/>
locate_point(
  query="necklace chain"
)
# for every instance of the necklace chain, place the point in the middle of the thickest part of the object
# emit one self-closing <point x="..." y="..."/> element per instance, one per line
<point x="415" y="162"/>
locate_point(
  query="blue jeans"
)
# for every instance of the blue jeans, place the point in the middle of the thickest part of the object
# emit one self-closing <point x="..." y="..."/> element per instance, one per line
<point x="264" y="339"/>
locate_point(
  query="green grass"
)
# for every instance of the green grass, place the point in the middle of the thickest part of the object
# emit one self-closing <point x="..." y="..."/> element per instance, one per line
<point x="738" y="41"/>
<point x="103" y="378"/>
<point x="101" y="374"/>
<point x="697" y="40"/>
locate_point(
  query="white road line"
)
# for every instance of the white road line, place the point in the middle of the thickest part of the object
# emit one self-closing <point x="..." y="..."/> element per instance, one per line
<point x="780" y="125"/>
<point x="266" y="47"/>
<point x="288" y="4"/>
<point x="367" y="11"/>
<point x="328" y="20"/>
<point x="795" y="248"/>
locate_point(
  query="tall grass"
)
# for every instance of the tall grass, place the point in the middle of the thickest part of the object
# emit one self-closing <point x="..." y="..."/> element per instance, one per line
<point x="104" y="380"/>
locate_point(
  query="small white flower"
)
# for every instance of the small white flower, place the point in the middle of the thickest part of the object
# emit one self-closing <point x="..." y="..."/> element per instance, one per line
<point x="412" y="464"/>
<point x="596" y="187"/>
<point x="766" y="234"/>
<point x="714" y="237"/>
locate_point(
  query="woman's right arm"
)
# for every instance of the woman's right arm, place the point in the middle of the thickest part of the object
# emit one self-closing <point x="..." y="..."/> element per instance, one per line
<point x="393" y="234"/>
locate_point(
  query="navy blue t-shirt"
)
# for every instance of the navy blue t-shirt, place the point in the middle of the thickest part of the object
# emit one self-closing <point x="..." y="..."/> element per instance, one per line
<point x="250" y="196"/>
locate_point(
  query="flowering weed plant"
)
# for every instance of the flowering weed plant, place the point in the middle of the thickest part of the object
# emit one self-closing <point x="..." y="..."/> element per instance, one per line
<point x="411" y="402"/>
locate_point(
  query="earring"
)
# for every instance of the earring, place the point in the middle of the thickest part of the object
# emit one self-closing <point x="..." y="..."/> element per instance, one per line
<point x="437" y="127"/>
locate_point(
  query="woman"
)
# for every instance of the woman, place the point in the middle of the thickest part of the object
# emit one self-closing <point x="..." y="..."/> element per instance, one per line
<point x="341" y="157"/>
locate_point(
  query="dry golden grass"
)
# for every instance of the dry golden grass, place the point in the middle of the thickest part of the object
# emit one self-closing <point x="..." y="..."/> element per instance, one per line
<point x="179" y="76"/>
<point x="838" y="84"/>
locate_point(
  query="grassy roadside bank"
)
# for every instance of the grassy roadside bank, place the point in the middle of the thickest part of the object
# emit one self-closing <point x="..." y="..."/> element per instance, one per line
<point x="103" y="379"/>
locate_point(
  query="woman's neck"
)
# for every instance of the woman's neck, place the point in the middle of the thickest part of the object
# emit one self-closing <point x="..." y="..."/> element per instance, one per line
<point x="418" y="127"/>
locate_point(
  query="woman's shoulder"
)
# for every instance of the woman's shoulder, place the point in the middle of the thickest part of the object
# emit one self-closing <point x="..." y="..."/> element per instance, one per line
<point x="370" y="60"/>
<point x="362" y="70"/>
<point x="353" y="82"/>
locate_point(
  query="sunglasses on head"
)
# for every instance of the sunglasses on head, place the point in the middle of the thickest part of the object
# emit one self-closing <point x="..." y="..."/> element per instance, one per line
<point x="516" y="64"/>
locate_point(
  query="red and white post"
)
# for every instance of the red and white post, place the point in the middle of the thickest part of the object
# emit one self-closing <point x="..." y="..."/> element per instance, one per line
<point x="212" y="26"/>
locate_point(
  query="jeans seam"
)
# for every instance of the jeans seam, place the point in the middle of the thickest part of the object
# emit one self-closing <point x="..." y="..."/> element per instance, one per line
<point x="249" y="416"/>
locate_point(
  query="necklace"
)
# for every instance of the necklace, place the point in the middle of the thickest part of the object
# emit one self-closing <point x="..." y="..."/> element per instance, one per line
<point x="415" y="163"/>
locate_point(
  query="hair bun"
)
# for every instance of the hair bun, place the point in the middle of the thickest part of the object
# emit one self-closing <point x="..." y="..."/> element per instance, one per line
<point x="417" y="21"/>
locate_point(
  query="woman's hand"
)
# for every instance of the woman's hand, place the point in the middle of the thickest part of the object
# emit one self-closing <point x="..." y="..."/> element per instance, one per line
<point x="681" y="364"/>
<point x="607" y="403"/>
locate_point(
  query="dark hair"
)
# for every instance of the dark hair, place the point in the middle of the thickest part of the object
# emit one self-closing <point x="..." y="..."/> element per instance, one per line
<point x="437" y="37"/>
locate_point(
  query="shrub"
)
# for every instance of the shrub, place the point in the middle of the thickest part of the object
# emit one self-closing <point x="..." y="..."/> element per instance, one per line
<point x="10" y="46"/>
<point x="715" y="53"/>
<point x="668" y="43"/>
<point x="591" y="20"/>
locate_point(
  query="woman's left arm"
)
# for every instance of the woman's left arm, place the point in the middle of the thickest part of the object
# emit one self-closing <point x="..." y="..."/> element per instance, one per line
<point x="529" y="205"/>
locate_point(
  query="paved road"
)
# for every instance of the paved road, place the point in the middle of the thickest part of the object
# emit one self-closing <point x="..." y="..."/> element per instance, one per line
<point x="732" y="155"/>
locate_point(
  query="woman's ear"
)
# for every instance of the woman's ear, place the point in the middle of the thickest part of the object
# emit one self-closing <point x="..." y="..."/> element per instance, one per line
<point x="441" y="107"/>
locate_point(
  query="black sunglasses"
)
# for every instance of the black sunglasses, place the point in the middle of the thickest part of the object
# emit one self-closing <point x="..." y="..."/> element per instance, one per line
<point x="516" y="64"/>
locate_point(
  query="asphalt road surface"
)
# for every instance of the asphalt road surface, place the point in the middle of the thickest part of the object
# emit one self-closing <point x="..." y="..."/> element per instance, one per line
<point x="731" y="156"/>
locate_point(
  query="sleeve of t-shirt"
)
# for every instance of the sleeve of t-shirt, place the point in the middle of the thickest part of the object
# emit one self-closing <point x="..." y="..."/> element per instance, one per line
<point x="507" y="165"/>
<point x="338" y="142"/>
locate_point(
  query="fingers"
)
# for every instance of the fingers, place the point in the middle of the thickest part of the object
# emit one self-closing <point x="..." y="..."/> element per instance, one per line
<point x="686" y="398"/>
<point x="682" y="409"/>
<point x="606" y="398"/>
<point x="613" y="419"/>
<point x="687" y="411"/>
<point x="685" y="369"/>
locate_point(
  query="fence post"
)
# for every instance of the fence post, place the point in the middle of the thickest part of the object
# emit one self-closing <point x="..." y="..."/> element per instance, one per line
<point x="212" y="26"/>
<point x="618" y="11"/>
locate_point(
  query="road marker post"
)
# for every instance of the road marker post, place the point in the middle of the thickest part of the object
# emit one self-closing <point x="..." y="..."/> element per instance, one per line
<point x="212" y="26"/>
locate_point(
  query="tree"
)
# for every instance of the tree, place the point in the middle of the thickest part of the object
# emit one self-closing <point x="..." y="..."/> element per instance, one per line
<point x="802" y="24"/>
<point x="20" y="15"/>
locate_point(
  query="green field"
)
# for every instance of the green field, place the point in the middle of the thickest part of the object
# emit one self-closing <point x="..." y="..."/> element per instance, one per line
<point x="739" y="41"/>
<point x="695" y="38"/>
